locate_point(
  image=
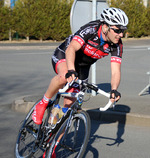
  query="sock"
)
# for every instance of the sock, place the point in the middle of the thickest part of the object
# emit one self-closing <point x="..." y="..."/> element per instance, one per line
<point x="46" y="99"/>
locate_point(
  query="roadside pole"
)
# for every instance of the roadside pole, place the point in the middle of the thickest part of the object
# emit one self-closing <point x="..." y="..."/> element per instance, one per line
<point x="82" y="12"/>
<point x="94" y="10"/>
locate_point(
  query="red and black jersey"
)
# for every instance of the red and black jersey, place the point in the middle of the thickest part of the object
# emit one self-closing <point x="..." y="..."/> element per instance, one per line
<point x="89" y="36"/>
<point x="93" y="47"/>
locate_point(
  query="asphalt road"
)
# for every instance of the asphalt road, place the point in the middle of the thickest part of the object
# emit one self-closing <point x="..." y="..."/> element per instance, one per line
<point x="107" y="140"/>
<point x="27" y="70"/>
<point x="24" y="72"/>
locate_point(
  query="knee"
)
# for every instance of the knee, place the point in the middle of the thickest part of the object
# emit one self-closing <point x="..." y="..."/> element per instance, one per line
<point x="62" y="79"/>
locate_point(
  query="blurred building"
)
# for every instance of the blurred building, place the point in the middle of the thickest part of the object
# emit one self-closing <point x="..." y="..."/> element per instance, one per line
<point x="9" y="3"/>
<point x="146" y="2"/>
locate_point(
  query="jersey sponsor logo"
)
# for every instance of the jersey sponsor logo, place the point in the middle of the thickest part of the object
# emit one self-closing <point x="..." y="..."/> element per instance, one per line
<point x="116" y="59"/>
<point x="93" y="43"/>
<point x="78" y="39"/>
<point x="88" y="50"/>
<point x="54" y="58"/>
<point x="106" y="48"/>
<point x="93" y="52"/>
<point x="88" y="30"/>
<point x="95" y="39"/>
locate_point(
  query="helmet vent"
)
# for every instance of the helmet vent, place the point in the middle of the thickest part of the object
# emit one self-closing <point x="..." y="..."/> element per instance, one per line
<point x="105" y="12"/>
<point x="113" y="21"/>
<point x="107" y="17"/>
<point x="102" y="16"/>
<point x="111" y="12"/>
<point x="118" y="18"/>
<point x="124" y="19"/>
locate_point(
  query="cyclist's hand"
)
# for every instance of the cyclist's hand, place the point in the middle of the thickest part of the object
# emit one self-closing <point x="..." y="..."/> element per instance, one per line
<point x="71" y="75"/>
<point x="114" y="95"/>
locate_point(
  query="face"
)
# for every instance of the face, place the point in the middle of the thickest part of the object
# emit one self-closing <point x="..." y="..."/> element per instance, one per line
<point x="114" y="34"/>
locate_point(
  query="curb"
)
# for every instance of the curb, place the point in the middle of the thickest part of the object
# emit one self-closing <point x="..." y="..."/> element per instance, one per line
<point x="26" y="47"/>
<point x="120" y="117"/>
<point x="23" y="104"/>
<point x="110" y="116"/>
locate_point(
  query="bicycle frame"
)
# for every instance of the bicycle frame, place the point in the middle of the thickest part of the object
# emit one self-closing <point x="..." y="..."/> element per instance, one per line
<point x="43" y="134"/>
<point x="79" y="96"/>
<point x="69" y="112"/>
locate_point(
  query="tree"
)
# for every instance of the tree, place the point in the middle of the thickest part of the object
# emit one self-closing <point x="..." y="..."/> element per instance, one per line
<point x="54" y="19"/>
<point x="4" y="21"/>
<point x="60" y="28"/>
<point x="136" y="13"/>
<point x="1" y="3"/>
<point x="147" y="27"/>
<point x="24" y="13"/>
<point x="42" y="18"/>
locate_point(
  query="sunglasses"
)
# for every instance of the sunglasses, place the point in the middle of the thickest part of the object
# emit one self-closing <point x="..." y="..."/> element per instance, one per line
<point x="118" y="31"/>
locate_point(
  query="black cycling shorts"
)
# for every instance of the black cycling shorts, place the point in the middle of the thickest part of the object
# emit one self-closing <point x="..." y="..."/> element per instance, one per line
<point x="82" y="68"/>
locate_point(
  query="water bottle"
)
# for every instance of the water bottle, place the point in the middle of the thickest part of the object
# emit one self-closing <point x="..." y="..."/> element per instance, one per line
<point x="54" y="116"/>
<point x="62" y="111"/>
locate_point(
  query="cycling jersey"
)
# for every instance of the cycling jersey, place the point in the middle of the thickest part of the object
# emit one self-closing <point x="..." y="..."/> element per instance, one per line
<point x="93" y="47"/>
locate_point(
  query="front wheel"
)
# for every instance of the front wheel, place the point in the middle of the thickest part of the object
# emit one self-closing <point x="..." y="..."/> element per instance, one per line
<point x="71" y="142"/>
<point x="27" y="144"/>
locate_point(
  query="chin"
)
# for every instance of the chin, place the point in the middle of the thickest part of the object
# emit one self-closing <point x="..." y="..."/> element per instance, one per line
<point x="116" y="41"/>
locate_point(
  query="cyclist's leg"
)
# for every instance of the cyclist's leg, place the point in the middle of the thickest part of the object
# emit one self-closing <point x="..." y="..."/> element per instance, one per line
<point x="60" y="67"/>
<point x="58" y="81"/>
<point x="68" y="101"/>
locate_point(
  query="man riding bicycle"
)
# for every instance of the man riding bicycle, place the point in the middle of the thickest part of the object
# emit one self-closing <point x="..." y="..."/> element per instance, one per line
<point x="78" y="52"/>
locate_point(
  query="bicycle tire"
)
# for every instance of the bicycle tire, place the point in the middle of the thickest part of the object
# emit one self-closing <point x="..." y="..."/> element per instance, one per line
<point x="25" y="144"/>
<point x="76" y="139"/>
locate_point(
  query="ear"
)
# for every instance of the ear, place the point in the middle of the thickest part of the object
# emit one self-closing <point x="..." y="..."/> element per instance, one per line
<point x="106" y="28"/>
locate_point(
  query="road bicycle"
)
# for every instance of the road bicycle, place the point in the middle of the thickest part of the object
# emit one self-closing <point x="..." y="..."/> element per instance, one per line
<point x="68" y="137"/>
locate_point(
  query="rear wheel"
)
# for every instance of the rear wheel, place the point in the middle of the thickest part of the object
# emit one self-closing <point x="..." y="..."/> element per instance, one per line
<point x="71" y="142"/>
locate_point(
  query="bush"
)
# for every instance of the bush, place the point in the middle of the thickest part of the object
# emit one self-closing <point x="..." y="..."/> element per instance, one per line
<point x="24" y="17"/>
<point x="42" y="18"/>
<point x="50" y="19"/>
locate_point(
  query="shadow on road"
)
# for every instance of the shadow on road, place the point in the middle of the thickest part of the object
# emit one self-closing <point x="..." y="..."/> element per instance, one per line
<point x="108" y="117"/>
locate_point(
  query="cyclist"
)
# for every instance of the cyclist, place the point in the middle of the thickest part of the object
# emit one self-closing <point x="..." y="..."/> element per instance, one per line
<point x="78" y="52"/>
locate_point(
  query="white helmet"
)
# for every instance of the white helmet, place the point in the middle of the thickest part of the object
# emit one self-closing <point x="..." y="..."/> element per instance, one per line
<point x="114" y="16"/>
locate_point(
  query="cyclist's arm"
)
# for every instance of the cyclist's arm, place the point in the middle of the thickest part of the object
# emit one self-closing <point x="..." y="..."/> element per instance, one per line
<point x="70" y="55"/>
<point x="115" y="76"/>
